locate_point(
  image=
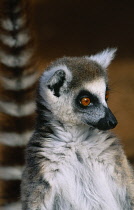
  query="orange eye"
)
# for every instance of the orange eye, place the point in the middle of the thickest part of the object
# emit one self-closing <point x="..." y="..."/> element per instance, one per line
<point x="85" y="101"/>
<point x="107" y="95"/>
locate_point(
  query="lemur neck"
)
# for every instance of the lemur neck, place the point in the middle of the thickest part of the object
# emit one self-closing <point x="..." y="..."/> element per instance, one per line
<point x="78" y="133"/>
<point x="47" y="124"/>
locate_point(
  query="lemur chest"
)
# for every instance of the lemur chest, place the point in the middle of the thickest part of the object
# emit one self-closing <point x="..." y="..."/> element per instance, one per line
<point x="83" y="181"/>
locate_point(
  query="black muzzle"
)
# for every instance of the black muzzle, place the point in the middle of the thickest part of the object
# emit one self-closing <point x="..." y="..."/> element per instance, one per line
<point x="108" y="122"/>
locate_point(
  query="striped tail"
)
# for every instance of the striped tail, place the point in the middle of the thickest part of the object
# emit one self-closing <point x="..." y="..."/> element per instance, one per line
<point x="18" y="79"/>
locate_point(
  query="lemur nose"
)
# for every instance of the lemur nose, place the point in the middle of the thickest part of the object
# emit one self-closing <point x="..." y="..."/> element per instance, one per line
<point x="112" y="123"/>
<point x="111" y="120"/>
<point x="108" y="122"/>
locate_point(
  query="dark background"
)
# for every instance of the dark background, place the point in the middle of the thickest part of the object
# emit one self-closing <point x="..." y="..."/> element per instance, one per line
<point x="75" y="27"/>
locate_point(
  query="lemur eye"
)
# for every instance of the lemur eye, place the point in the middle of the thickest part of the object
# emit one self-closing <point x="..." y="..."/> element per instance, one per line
<point x="107" y="95"/>
<point x="85" y="101"/>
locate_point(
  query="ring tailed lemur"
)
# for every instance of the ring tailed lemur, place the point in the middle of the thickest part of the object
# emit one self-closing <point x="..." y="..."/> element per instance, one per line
<point x="72" y="161"/>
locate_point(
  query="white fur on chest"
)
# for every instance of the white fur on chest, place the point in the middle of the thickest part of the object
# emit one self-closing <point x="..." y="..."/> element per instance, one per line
<point x="80" y="177"/>
<point x="86" y="185"/>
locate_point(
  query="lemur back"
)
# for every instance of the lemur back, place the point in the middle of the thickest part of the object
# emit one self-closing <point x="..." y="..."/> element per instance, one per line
<point x="72" y="161"/>
<point x="18" y="79"/>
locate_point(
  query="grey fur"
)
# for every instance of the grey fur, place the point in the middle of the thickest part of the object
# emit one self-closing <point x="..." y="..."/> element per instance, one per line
<point x="70" y="163"/>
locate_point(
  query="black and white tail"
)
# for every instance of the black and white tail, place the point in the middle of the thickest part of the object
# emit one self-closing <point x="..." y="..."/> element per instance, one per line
<point x="18" y="79"/>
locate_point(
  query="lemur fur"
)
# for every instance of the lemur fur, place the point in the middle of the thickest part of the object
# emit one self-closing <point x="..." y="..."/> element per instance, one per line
<point x="18" y="81"/>
<point x="72" y="161"/>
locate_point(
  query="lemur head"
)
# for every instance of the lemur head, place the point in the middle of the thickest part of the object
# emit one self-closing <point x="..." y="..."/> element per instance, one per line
<point x="75" y="90"/>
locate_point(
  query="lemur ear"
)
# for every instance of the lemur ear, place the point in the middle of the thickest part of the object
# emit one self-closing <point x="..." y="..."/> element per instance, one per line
<point x="56" y="82"/>
<point x="105" y="57"/>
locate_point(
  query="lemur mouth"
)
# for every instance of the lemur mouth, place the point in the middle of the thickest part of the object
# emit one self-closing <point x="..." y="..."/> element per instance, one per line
<point x="108" y="122"/>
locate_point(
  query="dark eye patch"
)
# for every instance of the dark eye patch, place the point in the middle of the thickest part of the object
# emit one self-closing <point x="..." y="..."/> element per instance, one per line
<point x="107" y="88"/>
<point x="107" y="93"/>
<point x="85" y="93"/>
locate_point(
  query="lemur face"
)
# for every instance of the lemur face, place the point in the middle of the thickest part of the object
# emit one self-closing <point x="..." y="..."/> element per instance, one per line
<point x="75" y="90"/>
<point x="91" y="101"/>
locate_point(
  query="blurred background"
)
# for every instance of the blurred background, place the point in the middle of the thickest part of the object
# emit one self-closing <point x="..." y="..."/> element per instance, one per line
<point x="71" y="28"/>
<point x="85" y="27"/>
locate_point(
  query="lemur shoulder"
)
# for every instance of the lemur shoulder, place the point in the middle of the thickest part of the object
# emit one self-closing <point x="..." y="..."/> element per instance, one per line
<point x="72" y="161"/>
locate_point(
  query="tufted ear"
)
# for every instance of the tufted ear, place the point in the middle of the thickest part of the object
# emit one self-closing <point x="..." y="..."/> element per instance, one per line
<point x="56" y="82"/>
<point x="105" y="57"/>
